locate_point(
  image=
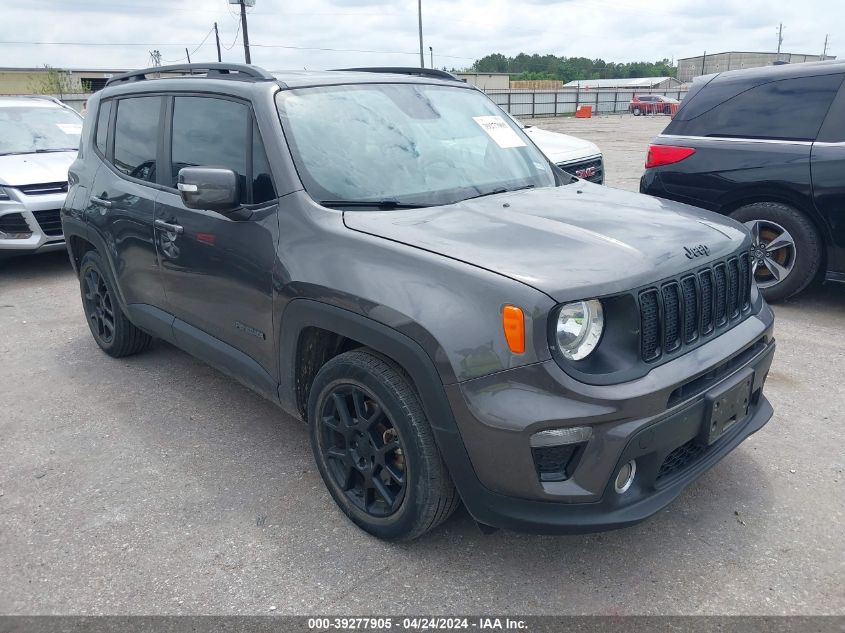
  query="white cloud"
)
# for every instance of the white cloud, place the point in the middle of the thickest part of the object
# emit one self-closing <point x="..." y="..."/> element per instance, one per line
<point x="458" y="30"/>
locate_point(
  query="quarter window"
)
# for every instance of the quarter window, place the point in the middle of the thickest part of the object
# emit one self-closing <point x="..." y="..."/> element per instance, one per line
<point x="789" y="109"/>
<point x="103" y="125"/>
<point x="262" y="181"/>
<point x="136" y="137"/>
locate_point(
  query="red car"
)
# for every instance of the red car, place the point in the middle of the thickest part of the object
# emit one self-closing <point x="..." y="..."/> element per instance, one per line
<point x="652" y="104"/>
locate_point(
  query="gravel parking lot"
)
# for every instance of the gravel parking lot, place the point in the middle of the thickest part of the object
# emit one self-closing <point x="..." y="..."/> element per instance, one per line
<point x="157" y="485"/>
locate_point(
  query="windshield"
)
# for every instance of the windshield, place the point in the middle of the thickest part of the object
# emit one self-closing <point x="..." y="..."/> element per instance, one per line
<point x="412" y="144"/>
<point x="26" y="130"/>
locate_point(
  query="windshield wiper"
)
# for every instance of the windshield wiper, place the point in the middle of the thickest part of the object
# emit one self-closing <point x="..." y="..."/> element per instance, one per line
<point x="40" y="151"/>
<point x="372" y="204"/>
<point x="497" y="191"/>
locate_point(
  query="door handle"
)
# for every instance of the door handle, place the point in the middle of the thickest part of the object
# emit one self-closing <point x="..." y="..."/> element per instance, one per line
<point x="100" y="202"/>
<point x="170" y="228"/>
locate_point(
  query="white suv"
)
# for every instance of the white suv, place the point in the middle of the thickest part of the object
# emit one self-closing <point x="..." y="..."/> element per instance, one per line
<point x="39" y="138"/>
<point x="573" y="155"/>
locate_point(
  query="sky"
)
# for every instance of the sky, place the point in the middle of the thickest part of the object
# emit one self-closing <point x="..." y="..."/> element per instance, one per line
<point x="288" y="34"/>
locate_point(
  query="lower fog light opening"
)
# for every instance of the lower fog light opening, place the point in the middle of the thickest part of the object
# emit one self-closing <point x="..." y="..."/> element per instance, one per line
<point x="625" y="477"/>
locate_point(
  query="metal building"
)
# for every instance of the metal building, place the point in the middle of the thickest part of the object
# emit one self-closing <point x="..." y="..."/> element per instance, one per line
<point x="691" y="67"/>
<point x="642" y="83"/>
<point x="487" y="81"/>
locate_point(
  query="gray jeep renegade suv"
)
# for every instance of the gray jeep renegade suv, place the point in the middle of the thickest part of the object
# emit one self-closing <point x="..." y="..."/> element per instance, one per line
<point x="390" y="258"/>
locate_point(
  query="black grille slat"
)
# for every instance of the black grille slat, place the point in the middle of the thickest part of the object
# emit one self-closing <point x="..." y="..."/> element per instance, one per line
<point x="679" y="312"/>
<point x="50" y="221"/>
<point x="649" y="325"/>
<point x="733" y="289"/>
<point x="690" y="295"/>
<point x="44" y="188"/>
<point x="14" y="223"/>
<point x="706" y="280"/>
<point x="744" y="282"/>
<point x="720" y="291"/>
<point x="671" y="317"/>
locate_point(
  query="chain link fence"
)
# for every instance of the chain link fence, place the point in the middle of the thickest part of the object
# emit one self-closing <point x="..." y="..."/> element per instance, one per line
<point x="564" y="102"/>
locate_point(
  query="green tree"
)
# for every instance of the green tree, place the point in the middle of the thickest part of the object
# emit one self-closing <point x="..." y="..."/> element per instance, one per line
<point x="55" y="82"/>
<point x="535" y="66"/>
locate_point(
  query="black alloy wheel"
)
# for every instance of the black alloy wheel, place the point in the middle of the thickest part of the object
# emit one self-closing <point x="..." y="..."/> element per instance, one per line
<point x="363" y="450"/>
<point x="375" y="449"/>
<point x="112" y="331"/>
<point x="98" y="306"/>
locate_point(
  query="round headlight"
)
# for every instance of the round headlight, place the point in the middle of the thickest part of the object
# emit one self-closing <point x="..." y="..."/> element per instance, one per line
<point x="579" y="327"/>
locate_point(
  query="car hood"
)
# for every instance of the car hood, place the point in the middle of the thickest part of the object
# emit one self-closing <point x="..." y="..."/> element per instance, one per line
<point x="562" y="148"/>
<point x="31" y="169"/>
<point x="570" y="242"/>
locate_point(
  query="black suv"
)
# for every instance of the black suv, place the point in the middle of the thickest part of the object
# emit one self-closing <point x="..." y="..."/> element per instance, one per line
<point x="390" y="258"/>
<point x="767" y="147"/>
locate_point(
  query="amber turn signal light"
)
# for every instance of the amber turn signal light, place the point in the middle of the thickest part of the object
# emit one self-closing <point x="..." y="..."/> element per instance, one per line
<point x="513" y="323"/>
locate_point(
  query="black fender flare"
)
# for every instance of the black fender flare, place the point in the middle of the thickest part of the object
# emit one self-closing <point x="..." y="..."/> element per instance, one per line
<point x="302" y="313"/>
<point x="74" y="227"/>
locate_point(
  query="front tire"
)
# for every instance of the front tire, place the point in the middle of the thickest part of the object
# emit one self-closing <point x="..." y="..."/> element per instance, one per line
<point x="110" y="328"/>
<point x="637" y="112"/>
<point x="786" y="250"/>
<point x="375" y="449"/>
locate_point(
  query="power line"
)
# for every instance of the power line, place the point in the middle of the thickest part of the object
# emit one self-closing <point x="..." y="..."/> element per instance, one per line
<point x="353" y="50"/>
<point x="172" y="61"/>
<point x="299" y="48"/>
<point x="234" y="41"/>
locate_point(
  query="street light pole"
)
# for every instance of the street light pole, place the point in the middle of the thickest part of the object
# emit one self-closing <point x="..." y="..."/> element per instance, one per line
<point x="217" y="39"/>
<point x="431" y="51"/>
<point x="419" y="12"/>
<point x="246" y="33"/>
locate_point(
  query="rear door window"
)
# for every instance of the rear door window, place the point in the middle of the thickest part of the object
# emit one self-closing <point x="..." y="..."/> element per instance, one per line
<point x="788" y="109"/>
<point x="136" y="134"/>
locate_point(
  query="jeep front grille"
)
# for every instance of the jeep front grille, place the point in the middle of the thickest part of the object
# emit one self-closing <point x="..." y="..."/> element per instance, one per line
<point x="679" y="312"/>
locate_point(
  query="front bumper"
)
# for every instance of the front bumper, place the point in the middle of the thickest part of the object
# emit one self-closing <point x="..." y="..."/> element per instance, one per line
<point x="655" y="420"/>
<point x="39" y="215"/>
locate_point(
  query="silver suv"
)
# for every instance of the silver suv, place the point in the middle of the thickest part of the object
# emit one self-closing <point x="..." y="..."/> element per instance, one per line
<point x="39" y="138"/>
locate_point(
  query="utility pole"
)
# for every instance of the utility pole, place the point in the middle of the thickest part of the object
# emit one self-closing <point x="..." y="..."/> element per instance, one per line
<point x="419" y="13"/>
<point x="780" y="38"/>
<point x="187" y="54"/>
<point x="824" y="52"/>
<point x="155" y="57"/>
<point x="246" y="33"/>
<point x="703" y="59"/>
<point x="217" y="37"/>
<point x="431" y="52"/>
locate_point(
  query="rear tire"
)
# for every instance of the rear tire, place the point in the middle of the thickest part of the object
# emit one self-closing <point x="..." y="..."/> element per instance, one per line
<point x="375" y="449"/>
<point x="794" y="262"/>
<point x="110" y="328"/>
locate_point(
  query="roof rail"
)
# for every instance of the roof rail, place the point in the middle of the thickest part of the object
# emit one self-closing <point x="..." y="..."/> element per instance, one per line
<point x="216" y="70"/>
<point x="407" y="70"/>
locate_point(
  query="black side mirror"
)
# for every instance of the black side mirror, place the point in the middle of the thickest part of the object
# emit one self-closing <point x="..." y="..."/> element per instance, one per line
<point x="211" y="188"/>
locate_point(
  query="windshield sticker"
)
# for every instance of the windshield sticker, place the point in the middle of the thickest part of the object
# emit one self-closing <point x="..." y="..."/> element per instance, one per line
<point x="70" y="128"/>
<point x="499" y="131"/>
